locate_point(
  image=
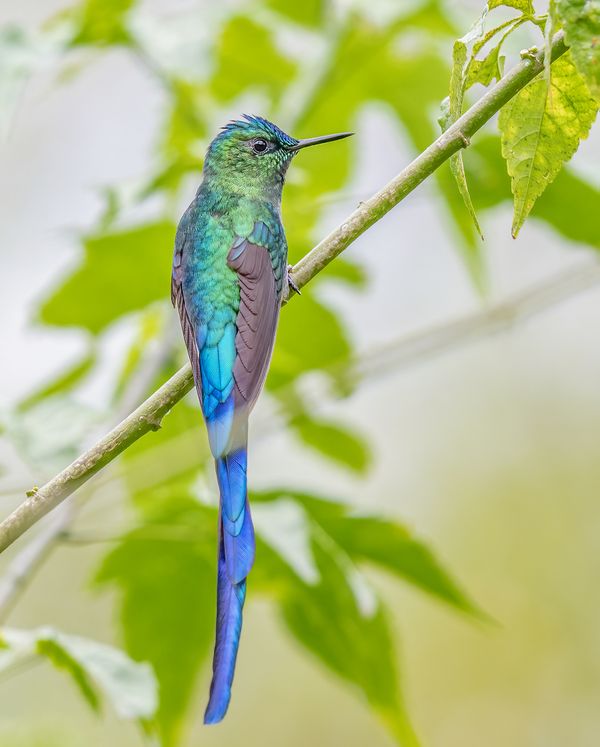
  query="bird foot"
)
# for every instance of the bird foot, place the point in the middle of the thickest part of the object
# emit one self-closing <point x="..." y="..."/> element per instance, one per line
<point x="291" y="283"/>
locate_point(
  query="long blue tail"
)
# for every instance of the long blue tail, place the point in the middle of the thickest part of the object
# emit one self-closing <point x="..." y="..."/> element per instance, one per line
<point x="236" y="556"/>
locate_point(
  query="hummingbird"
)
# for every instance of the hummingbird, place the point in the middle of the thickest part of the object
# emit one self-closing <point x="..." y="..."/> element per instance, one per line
<point x="229" y="276"/>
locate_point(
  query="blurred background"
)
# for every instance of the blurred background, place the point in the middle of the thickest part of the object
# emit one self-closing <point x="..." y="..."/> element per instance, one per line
<point x="426" y="453"/>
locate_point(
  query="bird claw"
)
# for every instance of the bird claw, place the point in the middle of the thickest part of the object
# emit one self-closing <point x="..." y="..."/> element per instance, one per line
<point x="291" y="282"/>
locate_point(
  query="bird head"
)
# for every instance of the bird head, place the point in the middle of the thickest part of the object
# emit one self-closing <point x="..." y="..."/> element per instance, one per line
<point x="252" y="155"/>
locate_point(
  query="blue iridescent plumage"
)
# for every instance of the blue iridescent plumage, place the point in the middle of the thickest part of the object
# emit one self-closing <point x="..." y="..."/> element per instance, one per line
<point x="229" y="275"/>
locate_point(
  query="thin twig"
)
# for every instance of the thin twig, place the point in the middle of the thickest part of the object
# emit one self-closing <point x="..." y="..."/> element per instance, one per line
<point x="149" y="415"/>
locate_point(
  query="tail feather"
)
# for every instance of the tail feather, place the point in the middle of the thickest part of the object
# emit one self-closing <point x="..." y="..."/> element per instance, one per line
<point x="239" y="549"/>
<point x="231" y="474"/>
<point x="236" y="556"/>
<point x="230" y="602"/>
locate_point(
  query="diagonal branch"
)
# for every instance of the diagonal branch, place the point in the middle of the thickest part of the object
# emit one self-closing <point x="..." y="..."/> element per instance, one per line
<point x="366" y="369"/>
<point x="24" y="565"/>
<point x="148" y="416"/>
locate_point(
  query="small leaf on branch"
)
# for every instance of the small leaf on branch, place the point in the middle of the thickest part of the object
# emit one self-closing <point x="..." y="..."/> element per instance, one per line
<point x="467" y="70"/>
<point x="525" y="6"/>
<point x="462" y="56"/>
<point x="541" y="129"/>
<point x="488" y="69"/>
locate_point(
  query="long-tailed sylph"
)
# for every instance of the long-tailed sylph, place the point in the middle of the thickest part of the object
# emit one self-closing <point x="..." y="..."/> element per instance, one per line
<point x="229" y="274"/>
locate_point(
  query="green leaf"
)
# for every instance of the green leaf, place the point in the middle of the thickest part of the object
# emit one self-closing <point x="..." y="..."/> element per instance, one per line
<point x="308" y="12"/>
<point x="165" y="573"/>
<point x="486" y="70"/>
<point x="467" y="70"/>
<point x="348" y="271"/>
<point x="338" y="443"/>
<point x="64" y="382"/>
<point x="331" y="609"/>
<point x="569" y="204"/>
<point x="461" y="52"/>
<point x="62" y="659"/>
<point x="247" y="59"/>
<point x="391" y="546"/>
<point x="310" y="337"/>
<point x="387" y="544"/>
<point x="101" y="22"/>
<point x="525" y="6"/>
<point x="354" y="642"/>
<point x="469" y="243"/>
<point x="121" y="272"/>
<point x="541" y="129"/>
<point x="458" y="172"/>
<point x="131" y="687"/>
<point x="581" y="21"/>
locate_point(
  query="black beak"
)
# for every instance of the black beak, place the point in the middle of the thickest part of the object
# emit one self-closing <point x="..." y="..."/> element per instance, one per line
<point x="318" y="140"/>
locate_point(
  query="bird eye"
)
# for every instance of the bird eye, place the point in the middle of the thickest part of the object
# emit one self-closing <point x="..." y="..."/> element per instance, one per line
<point x="259" y="145"/>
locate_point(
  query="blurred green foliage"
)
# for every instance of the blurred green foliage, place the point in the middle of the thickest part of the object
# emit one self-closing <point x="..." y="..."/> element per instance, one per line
<point x="94" y="668"/>
<point x="165" y="571"/>
<point x="164" y="567"/>
<point x="101" y="291"/>
<point x="325" y="601"/>
<point x="246" y="57"/>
